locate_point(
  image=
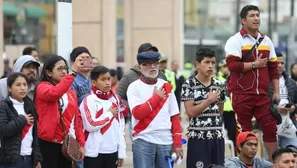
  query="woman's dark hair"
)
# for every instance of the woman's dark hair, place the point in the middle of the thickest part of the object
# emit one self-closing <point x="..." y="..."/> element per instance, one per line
<point x="12" y="77"/>
<point x="97" y="71"/>
<point x="293" y="76"/>
<point x="49" y="65"/>
<point x="29" y="106"/>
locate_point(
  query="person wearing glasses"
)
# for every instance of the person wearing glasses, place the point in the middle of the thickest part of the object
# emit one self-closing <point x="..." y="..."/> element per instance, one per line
<point x="155" y="116"/>
<point x="54" y="92"/>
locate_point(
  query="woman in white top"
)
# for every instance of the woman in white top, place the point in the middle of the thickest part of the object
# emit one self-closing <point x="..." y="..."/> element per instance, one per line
<point x="18" y="132"/>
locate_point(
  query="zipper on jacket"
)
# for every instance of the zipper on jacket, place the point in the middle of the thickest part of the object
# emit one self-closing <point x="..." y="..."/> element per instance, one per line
<point x="257" y="77"/>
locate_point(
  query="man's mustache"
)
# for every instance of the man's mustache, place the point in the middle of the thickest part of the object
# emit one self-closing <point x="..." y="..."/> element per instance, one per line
<point x="32" y="73"/>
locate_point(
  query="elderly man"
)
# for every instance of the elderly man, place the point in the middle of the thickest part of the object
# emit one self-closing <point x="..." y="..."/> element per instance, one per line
<point x="133" y="74"/>
<point x="27" y="65"/>
<point x="155" y="116"/>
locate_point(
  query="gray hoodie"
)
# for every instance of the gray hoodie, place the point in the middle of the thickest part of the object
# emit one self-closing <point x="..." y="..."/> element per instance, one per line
<point x="257" y="163"/>
<point x="18" y="66"/>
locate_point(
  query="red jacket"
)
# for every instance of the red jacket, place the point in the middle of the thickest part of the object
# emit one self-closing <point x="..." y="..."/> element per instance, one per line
<point x="46" y="101"/>
<point x="256" y="81"/>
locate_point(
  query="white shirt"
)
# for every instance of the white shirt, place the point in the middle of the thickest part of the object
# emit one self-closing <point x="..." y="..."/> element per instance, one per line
<point x="283" y="91"/>
<point x="158" y="130"/>
<point x="27" y="136"/>
<point x="104" y="133"/>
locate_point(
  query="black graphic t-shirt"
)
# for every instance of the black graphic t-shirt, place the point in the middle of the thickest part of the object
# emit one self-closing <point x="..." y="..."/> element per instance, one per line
<point x="207" y="125"/>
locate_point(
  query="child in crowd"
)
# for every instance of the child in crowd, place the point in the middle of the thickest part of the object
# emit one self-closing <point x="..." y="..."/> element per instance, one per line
<point x="103" y="115"/>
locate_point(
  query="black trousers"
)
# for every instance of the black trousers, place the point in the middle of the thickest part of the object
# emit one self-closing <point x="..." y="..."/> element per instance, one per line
<point x="52" y="155"/>
<point x="102" y="161"/>
<point x="230" y="125"/>
<point x="202" y="153"/>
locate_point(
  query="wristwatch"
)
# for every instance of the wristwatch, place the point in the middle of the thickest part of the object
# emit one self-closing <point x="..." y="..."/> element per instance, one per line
<point x="253" y="65"/>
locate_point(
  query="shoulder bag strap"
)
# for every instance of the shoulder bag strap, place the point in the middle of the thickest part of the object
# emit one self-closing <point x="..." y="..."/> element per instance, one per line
<point x="61" y="104"/>
<point x="249" y="53"/>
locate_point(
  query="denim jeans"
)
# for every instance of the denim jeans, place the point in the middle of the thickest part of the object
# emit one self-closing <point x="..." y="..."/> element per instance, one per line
<point x="24" y="162"/>
<point x="149" y="155"/>
<point x="282" y="142"/>
<point x="79" y="164"/>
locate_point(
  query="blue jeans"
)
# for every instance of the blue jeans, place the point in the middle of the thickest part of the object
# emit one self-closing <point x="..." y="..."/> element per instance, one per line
<point x="24" y="162"/>
<point x="79" y="164"/>
<point x="148" y="155"/>
<point x="282" y="142"/>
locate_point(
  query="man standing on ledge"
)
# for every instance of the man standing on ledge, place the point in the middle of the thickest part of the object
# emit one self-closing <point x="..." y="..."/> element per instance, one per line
<point x="251" y="78"/>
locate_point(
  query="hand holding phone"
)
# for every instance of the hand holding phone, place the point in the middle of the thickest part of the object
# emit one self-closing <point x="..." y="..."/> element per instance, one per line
<point x="87" y="63"/>
<point x="289" y="105"/>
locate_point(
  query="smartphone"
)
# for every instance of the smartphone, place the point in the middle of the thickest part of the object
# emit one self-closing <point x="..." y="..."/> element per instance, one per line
<point x="289" y="105"/>
<point x="87" y="63"/>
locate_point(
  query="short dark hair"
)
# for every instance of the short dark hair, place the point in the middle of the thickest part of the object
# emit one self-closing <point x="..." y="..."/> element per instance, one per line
<point x="244" y="11"/>
<point x="204" y="52"/>
<point x="29" y="50"/>
<point x="77" y="51"/>
<point x="279" y="54"/>
<point x="113" y="72"/>
<point x="276" y="154"/>
<point x="12" y="77"/>
<point x="97" y="71"/>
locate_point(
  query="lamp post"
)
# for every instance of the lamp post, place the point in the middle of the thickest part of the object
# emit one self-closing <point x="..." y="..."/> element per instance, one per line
<point x="64" y="28"/>
<point x="291" y="37"/>
<point x="237" y="23"/>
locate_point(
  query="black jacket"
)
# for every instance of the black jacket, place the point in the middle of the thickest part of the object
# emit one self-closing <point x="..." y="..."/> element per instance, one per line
<point x="292" y="94"/>
<point x="11" y="126"/>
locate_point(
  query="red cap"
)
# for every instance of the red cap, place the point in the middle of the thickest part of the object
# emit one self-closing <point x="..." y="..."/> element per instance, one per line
<point x="245" y="136"/>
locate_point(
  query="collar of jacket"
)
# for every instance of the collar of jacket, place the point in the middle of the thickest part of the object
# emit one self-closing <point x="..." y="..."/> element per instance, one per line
<point x="285" y="75"/>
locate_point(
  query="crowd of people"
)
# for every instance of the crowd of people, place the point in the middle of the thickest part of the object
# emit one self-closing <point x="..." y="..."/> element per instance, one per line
<point x="45" y="107"/>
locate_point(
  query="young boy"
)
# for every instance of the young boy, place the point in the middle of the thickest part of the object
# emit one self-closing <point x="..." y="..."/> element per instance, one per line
<point x="103" y="115"/>
<point x="82" y="82"/>
<point x="203" y="98"/>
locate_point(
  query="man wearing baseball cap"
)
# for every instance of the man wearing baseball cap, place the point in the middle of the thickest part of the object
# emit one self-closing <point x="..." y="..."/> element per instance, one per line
<point x="155" y="116"/>
<point x="133" y="74"/>
<point x="247" y="146"/>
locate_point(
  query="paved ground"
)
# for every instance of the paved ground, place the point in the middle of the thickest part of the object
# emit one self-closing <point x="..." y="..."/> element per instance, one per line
<point x="129" y="163"/>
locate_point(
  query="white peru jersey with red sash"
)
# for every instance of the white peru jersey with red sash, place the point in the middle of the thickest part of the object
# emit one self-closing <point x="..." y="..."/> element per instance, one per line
<point x="103" y="132"/>
<point x="156" y="127"/>
<point x="27" y="136"/>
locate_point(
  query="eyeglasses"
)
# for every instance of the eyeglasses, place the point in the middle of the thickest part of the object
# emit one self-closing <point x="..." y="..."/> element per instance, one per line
<point x="60" y="69"/>
<point x="146" y="64"/>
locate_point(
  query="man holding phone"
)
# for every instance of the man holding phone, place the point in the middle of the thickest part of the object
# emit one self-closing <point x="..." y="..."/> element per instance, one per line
<point x="288" y="101"/>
